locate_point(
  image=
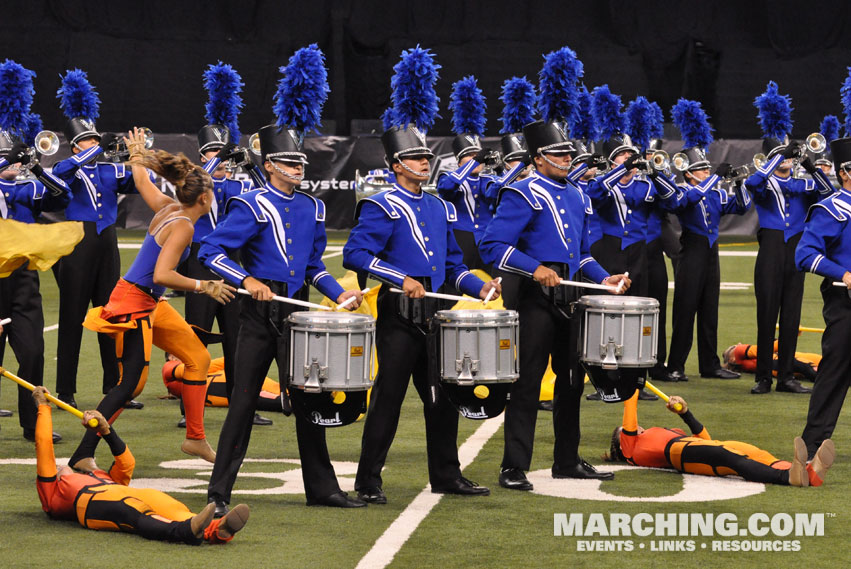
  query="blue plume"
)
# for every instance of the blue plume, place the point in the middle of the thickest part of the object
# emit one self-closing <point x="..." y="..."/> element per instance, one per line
<point x="468" y="107"/>
<point x="829" y="128"/>
<point x="639" y="121"/>
<point x="302" y="90"/>
<point x="557" y="90"/>
<point x="32" y="126"/>
<point x="845" y="92"/>
<point x="77" y="96"/>
<point x="16" y="95"/>
<point x="606" y="109"/>
<point x="414" y="99"/>
<point x="518" y="98"/>
<point x="387" y="118"/>
<point x="657" y="130"/>
<point x="774" y="112"/>
<point x="223" y="85"/>
<point x="583" y="125"/>
<point x="693" y="123"/>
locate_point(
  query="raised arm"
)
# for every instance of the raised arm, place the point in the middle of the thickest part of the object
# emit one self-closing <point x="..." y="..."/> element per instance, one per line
<point x="152" y="195"/>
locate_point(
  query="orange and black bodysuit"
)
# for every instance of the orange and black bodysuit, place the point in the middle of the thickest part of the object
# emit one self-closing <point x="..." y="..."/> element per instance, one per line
<point x="102" y="500"/>
<point x="659" y="447"/>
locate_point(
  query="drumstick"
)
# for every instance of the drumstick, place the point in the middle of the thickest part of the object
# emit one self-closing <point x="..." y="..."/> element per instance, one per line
<point x="290" y="300"/>
<point x="588" y="285"/>
<point x="664" y="397"/>
<point x="437" y="295"/>
<point x="620" y="284"/>
<point x="839" y="283"/>
<point x="350" y="300"/>
<point x="5" y="321"/>
<point x="58" y="402"/>
<point x="492" y="291"/>
<point x="804" y="329"/>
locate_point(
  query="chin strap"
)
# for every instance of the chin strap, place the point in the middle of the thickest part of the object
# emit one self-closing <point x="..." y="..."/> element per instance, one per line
<point x="411" y="170"/>
<point x="564" y="168"/>
<point x="287" y="174"/>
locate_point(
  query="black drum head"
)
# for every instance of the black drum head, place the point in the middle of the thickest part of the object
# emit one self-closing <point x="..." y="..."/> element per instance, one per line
<point x="477" y="402"/>
<point x="328" y="408"/>
<point x="616" y="385"/>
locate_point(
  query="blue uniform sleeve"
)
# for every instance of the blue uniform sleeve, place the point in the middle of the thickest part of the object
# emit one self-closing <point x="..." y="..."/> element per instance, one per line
<point x="211" y="165"/>
<point x="756" y="182"/>
<point x="741" y="204"/>
<point x="600" y="188"/>
<point x="58" y="189"/>
<point x="368" y="238"/>
<point x="67" y="169"/>
<point x="239" y="227"/>
<point x="3" y="163"/>
<point x="497" y="247"/>
<point x="316" y="272"/>
<point x="667" y="191"/>
<point x="126" y="185"/>
<point x="258" y="180"/>
<point x="577" y="173"/>
<point x="823" y="185"/>
<point x="820" y="232"/>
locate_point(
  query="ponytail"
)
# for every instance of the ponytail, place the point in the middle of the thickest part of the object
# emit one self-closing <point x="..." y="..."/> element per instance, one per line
<point x="190" y="181"/>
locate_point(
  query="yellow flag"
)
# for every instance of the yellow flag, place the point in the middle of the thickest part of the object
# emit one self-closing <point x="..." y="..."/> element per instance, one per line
<point x="40" y="245"/>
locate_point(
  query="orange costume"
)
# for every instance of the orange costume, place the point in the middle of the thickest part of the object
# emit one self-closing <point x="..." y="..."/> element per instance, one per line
<point x="697" y="453"/>
<point x="103" y="500"/>
<point x="742" y="357"/>
<point x="174" y="374"/>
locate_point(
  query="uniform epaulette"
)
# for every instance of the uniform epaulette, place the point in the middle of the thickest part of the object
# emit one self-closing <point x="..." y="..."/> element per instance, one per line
<point x="523" y="190"/>
<point x="379" y="199"/>
<point x="249" y="199"/>
<point x="837" y="205"/>
<point x="451" y="212"/>
<point x="317" y="203"/>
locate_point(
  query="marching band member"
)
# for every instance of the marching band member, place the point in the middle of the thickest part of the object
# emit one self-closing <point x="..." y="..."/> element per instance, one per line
<point x="698" y="279"/>
<point x="404" y="236"/>
<point x="138" y="317"/>
<point x="825" y="249"/>
<point x="538" y="236"/>
<point x="91" y="271"/>
<point x="466" y="188"/>
<point x="280" y="235"/>
<point x="781" y="202"/>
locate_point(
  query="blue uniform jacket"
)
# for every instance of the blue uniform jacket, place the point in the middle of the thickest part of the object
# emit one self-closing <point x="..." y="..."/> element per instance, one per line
<point x="223" y="190"/>
<point x="539" y="220"/>
<point x="279" y="237"/>
<point x="472" y="196"/>
<point x="700" y="207"/>
<point x="400" y="234"/>
<point x="782" y="203"/>
<point x="26" y="199"/>
<point x="825" y="246"/>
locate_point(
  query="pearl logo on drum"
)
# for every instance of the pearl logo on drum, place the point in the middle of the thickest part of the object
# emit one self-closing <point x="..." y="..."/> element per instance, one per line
<point x="317" y="419"/>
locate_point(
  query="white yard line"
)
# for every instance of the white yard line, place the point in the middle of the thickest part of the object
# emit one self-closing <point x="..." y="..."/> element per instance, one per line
<point x="392" y="540"/>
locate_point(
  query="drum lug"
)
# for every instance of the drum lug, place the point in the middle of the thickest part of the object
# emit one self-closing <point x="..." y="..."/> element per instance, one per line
<point x="314" y="374"/>
<point x="610" y="352"/>
<point x="466" y="368"/>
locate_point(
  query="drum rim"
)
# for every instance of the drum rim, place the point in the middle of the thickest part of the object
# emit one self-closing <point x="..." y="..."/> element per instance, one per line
<point x="611" y="302"/>
<point x="472" y="316"/>
<point x="331" y="320"/>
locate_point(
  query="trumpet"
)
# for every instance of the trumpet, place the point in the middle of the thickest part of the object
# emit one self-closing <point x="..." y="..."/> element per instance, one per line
<point x="816" y="143"/>
<point x="254" y="144"/>
<point x="118" y="151"/>
<point x="46" y="143"/>
<point x="759" y="160"/>
<point x="739" y="173"/>
<point x="659" y="161"/>
<point x="680" y="162"/>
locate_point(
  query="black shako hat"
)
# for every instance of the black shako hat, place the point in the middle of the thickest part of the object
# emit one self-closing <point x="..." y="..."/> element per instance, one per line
<point x="404" y="142"/>
<point x="841" y="150"/>
<point x="771" y="146"/>
<point x="212" y="137"/>
<point x="465" y="144"/>
<point x="513" y="146"/>
<point x="697" y="159"/>
<point x="547" y="137"/>
<point x="80" y="128"/>
<point x="616" y="144"/>
<point x="286" y="145"/>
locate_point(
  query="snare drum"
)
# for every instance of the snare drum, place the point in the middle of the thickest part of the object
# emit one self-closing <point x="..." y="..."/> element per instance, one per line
<point x="478" y="346"/>
<point x="619" y="331"/>
<point x="331" y="351"/>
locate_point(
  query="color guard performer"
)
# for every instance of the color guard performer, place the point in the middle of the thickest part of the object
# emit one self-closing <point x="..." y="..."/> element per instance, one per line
<point x="404" y="237"/>
<point x="781" y="201"/>
<point x="825" y="249"/>
<point x="280" y="235"/>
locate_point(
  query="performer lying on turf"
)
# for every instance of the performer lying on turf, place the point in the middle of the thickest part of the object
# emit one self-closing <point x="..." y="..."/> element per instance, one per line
<point x="137" y="317"/>
<point x="658" y="447"/>
<point x="742" y="357"/>
<point x="103" y="500"/>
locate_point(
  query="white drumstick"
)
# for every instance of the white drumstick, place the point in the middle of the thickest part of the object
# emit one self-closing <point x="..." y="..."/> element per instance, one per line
<point x="437" y="295"/>
<point x="290" y="300"/>
<point x="620" y="284"/>
<point x="835" y="283"/>
<point x="492" y="291"/>
<point x="5" y="321"/>
<point x="350" y="300"/>
<point x="588" y="285"/>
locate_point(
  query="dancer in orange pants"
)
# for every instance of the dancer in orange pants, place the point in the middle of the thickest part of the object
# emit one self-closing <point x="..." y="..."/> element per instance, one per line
<point x="137" y="317"/>
<point x="103" y="500"/>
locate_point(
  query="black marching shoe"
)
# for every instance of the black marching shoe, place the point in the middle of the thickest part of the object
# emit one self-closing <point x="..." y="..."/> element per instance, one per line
<point x="181" y="424"/>
<point x="260" y="420"/>
<point x="373" y="495"/>
<point x="338" y="500"/>
<point x="674" y="376"/>
<point x="67" y="398"/>
<point x="30" y="436"/>
<point x="514" y="479"/>
<point x="545" y="405"/>
<point x="5" y="413"/>
<point x="644" y="396"/>
<point x="762" y="386"/>
<point x="581" y="470"/>
<point x="221" y="508"/>
<point x="463" y="487"/>
<point x="133" y="404"/>
<point x="792" y="386"/>
<point x="594" y="396"/>
<point x="721" y="373"/>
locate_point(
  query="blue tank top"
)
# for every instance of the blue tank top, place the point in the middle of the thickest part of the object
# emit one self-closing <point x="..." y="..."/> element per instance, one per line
<point x="141" y="272"/>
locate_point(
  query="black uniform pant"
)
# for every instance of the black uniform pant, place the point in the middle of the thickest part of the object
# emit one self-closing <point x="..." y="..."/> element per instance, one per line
<point x="779" y="288"/>
<point x="696" y="292"/>
<point x="20" y="300"/>
<point x="834" y="371"/>
<point x="657" y="287"/>
<point x="616" y="260"/>
<point x="544" y="332"/>
<point x="402" y="352"/>
<point x="262" y="340"/>
<point x="87" y="275"/>
<point x="201" y="310"/>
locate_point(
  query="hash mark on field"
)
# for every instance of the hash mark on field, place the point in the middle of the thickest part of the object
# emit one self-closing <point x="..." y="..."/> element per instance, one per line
<point x="391" y="541"/>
